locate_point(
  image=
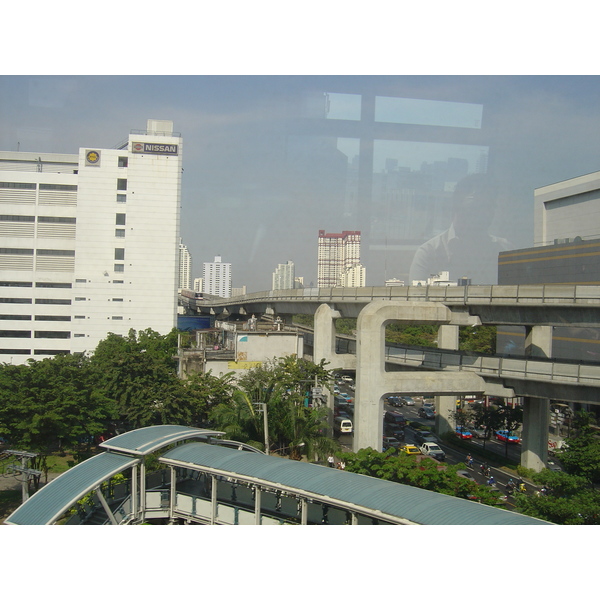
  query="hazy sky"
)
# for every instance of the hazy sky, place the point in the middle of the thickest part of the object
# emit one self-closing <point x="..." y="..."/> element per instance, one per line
<point x="265" y="168"/>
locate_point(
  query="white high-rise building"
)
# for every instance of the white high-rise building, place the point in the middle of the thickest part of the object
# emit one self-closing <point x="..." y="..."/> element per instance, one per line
<point x="185" y="267"/>
<point x="217" y="278"/>
<point x="284" y="276"/>
<point x="89" y="244"/>
<point x="337" y="253"/>
<point x="198" y="284"/>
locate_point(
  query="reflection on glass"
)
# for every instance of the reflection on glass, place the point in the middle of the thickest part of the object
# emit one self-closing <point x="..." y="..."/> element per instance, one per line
<point x="344" y="106"/>
<point x="427" y="112"/>
<point x="411" y="196"/>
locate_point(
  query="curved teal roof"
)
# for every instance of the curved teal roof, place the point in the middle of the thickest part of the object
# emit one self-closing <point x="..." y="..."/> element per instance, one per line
<point x="146" y="440"/>
<point x="50" y="502"/>
<point x="402" y="503"/>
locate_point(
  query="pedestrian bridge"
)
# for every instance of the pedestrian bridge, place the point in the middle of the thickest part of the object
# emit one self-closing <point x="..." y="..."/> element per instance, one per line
<point x="206" y="482"/>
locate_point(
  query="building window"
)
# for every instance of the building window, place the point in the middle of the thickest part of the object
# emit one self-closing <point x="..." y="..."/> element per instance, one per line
<point x="16" y="300"/>
<point x="81" y="281"/>
<point x="26" y="251"/>
<point x="122" y="198"/>
<point x="79" y="335"/>
<point x="52" y="318"/>
<point x="117" y="318"/>
<point x="16" y="284"/>
<point x="120" y="233"/>
<point x="79" y="317"/>
<point x="119" y="268"/>
<point x="117" y="299"/>
<point x="17" y="185"/>
<point x="80" y="299"/>
<point x="15" y="317"/>
<point x="118" y="281"/>
<point x="70" y="220"/>
<point x="119" y="253"/>
<point x="14" y="333"/>
<point x="50" y="352"/>
<point x="51" y="301"/>
<point x="120" y="219"/>
<point x="122" y="161"/>
<point x="17" y="218"/>
<point x="58" y="186"/>
<point x="122" y="184"/>
<point x="14" y="351"/>
<point x="41" y="284"/>
<point x="55" y="252"/>
<point x="54" y="335"/>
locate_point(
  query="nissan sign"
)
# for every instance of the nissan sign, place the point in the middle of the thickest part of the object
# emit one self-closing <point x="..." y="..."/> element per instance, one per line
<point x="151" y="148"/>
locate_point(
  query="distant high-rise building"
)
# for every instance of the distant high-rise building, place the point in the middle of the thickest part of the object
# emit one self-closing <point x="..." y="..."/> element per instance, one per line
<point x="217" y="278"/>
<point x="239" y="291"/>
<point x="185" y="268"/>
<point x="394" y="282"/>
<point x="337" y="253"/>
<point x="198" y="284"/>
<point x="283" y="277"/>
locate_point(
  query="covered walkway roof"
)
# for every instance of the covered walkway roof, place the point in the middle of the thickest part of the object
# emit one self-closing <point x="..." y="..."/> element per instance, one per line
<point x="361" y="493"/>
<point x="50" y="503"/>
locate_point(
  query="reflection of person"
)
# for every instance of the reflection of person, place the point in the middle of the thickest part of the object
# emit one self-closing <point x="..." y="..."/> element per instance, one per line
<point x="465" y="249"/>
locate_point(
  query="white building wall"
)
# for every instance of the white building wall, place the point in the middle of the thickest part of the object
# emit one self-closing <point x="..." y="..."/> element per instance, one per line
<point x="35" y="285"/>
<point x="567" y="209"/>
<point x="147" y="296"/>
<point x="72" y="273"/>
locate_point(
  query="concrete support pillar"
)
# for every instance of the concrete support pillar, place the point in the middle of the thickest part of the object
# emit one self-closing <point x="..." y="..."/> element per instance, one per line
<point x="324" y="347"/>
<point x="372" y="381"/>
<point x="536" y="411"/>
<point x="448" y="338"/>
<point x="324" y="340"/>
<point x="536" y="419"/>
<point x="538" y="341"/>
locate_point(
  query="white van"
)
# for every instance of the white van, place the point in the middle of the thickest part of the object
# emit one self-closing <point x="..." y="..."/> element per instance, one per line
<point x="342" y="425"/>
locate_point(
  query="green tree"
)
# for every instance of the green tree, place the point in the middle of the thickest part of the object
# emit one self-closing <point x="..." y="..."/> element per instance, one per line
<point x="581" y="455"/>
<point x="480" y="339"/>
<point x="421" y="472"/>
<point x="282" y="385"/>
<point x="568" y="500"/>
<point x="139" y="373"/>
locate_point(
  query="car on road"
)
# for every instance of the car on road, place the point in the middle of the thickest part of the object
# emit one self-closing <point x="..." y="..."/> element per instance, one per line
<point x="345" y="396"/>
<point x="395" y="401"/>
<point x="433" y="450"/>
<point x="426" y="413"/>
<point x="430" y="406"/>
<point x="479" y="433"/>
<point x="507" y="436"/>
<point x="425" y="436"/>
<point x="463" y="433"/>
<point x="408" y="401"/>
<point x="394" y="418"/>
<point x="392" y="430"/>
<point x="410" y="449"/>
<point x="390" y="442"/>
<point x="347" y="379"/>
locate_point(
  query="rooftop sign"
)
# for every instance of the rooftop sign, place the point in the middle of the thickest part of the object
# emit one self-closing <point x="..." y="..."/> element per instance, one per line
<point x="152" y="148"/>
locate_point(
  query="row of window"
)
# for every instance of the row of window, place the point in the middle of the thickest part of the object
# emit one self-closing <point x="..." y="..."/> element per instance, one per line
<point x="43" y="186"/>
<point x="31" y="219"/>
<point x="38" y="284"/>
<point x="39" y="352"/>
<point x="41" y="252"/>
<point x="16" y="333"/>
<point x="36" y="317"/>
<point x="37" y="301"/>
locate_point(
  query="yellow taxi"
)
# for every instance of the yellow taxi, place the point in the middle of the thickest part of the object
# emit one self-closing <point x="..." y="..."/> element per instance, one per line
<point x="410" y="449"/>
